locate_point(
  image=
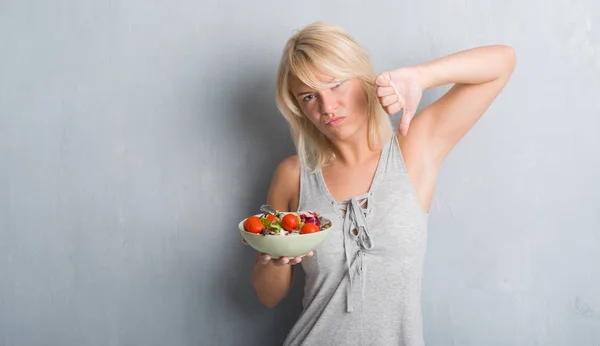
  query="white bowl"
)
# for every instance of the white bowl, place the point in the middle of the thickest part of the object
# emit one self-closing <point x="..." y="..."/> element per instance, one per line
<point x="284" y="245"/>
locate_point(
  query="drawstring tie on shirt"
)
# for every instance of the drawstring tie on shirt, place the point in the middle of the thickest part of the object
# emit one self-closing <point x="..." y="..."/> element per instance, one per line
<point x="355" y="228"/>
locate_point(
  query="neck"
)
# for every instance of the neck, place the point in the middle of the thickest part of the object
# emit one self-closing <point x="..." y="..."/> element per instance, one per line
<point x="353" y="150"/>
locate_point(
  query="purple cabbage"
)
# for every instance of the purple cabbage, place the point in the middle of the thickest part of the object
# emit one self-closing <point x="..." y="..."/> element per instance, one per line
<point x="310" y="217"/>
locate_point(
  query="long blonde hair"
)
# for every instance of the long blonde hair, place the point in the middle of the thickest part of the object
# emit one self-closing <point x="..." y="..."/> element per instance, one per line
<point x="327" y="49"/>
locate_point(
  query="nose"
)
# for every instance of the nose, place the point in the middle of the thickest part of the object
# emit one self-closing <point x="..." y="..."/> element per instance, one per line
<point x="327" y="102"/>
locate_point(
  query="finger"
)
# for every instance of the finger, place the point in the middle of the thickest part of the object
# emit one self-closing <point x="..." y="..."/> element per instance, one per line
<point x="281" y="261"/>
<point x="244" y="241"/>
<point x="403" y="129"/>
<point x="383" y="79"/>
<point x="404" y="122"/>
<point x="388" y="100"/>
<point x="296" y="260"/>
<point x="394" y="108"/>
<point x="309" y="255"/>
<point x="385" y="91"/>
<point x="407" y="116"/>
<point x="412" y="101"/>
<point x="264" y="258"/>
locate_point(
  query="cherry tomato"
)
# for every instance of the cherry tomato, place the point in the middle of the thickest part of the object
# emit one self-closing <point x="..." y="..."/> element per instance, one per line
<point x="309" y="228"/>
<point x="290" y="222"/>
<point x="272" y="218"/>
<point x="253" y="225"/>
<point x="250" y="220"/>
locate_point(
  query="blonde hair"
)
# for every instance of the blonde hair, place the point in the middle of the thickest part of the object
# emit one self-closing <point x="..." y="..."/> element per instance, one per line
<point x="327" y="49"/>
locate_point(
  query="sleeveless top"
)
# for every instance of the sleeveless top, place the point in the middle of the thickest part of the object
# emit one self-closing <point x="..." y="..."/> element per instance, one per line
<point x="363" y="285"/>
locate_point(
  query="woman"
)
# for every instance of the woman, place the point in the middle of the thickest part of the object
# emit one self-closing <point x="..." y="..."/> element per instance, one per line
<point x="363" y="286"/>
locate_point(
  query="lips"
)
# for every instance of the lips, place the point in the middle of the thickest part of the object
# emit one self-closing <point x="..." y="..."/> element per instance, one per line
<point x="336" y="121"/>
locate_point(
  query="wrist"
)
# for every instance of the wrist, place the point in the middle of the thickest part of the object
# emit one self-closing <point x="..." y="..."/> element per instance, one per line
<point x="426" y="76"/>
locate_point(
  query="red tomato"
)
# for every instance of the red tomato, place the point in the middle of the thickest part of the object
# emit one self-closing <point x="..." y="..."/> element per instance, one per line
<point x="290" y="222"/>
<point x="253" y="225"/>
<point x="309" y="228"/>
<point x="250" y="220"/>
<point x="272" y="218"/>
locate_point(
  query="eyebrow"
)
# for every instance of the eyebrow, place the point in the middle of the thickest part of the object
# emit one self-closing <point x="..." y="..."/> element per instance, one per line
<point x="303" y="93"/>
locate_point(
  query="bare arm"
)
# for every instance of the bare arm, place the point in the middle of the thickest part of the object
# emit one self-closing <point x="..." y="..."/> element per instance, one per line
<point x="478" y="75"/>
<point x="272" y="279"/>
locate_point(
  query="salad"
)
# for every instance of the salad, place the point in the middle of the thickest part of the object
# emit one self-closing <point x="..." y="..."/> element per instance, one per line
<point x="272" y="222"/>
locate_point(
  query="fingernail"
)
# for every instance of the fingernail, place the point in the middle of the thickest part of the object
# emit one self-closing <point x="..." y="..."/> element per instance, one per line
<point x="284" y="261"/>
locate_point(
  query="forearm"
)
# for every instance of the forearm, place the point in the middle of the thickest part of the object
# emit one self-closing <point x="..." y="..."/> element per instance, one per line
<point x="473" y="66"/>
<point x="271" y="282"/>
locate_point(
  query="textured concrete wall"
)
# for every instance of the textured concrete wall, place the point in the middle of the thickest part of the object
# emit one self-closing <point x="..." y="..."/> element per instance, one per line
<point x="135" y="134"/>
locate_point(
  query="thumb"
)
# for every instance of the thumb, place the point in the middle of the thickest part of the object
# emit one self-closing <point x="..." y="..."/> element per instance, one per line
<point x="404" y="122"/>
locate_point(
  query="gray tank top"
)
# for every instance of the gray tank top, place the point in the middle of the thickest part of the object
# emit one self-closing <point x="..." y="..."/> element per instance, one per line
<point x="363" y="285"/>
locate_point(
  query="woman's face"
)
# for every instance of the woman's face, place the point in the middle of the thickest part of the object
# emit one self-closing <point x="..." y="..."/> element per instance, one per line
<point x="339" y="112"/>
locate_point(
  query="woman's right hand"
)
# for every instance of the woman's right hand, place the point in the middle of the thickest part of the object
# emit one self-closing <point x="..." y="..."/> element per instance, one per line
<point x="282" y="261"/>
<point x="264" y="258"/>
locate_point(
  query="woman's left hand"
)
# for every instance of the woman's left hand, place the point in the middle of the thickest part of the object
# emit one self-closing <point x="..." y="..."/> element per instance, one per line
<point x="400" y="89"/>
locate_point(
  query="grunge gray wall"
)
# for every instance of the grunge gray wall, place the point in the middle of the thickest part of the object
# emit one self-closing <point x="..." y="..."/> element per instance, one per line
<point x="134" y="135"/>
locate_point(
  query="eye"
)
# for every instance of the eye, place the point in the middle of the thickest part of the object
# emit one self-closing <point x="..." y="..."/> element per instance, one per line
<point x="308" y="97"/>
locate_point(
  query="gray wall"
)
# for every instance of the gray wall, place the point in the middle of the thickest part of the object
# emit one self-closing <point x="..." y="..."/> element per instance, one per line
<point x="135" y="134"/>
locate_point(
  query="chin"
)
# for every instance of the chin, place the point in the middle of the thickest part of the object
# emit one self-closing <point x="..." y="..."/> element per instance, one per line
<point x="340" y="133"/>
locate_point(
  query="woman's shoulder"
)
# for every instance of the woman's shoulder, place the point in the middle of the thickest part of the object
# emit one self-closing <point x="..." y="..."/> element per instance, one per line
<point x="289" y="166"/>
<point x="285" y="185"/>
